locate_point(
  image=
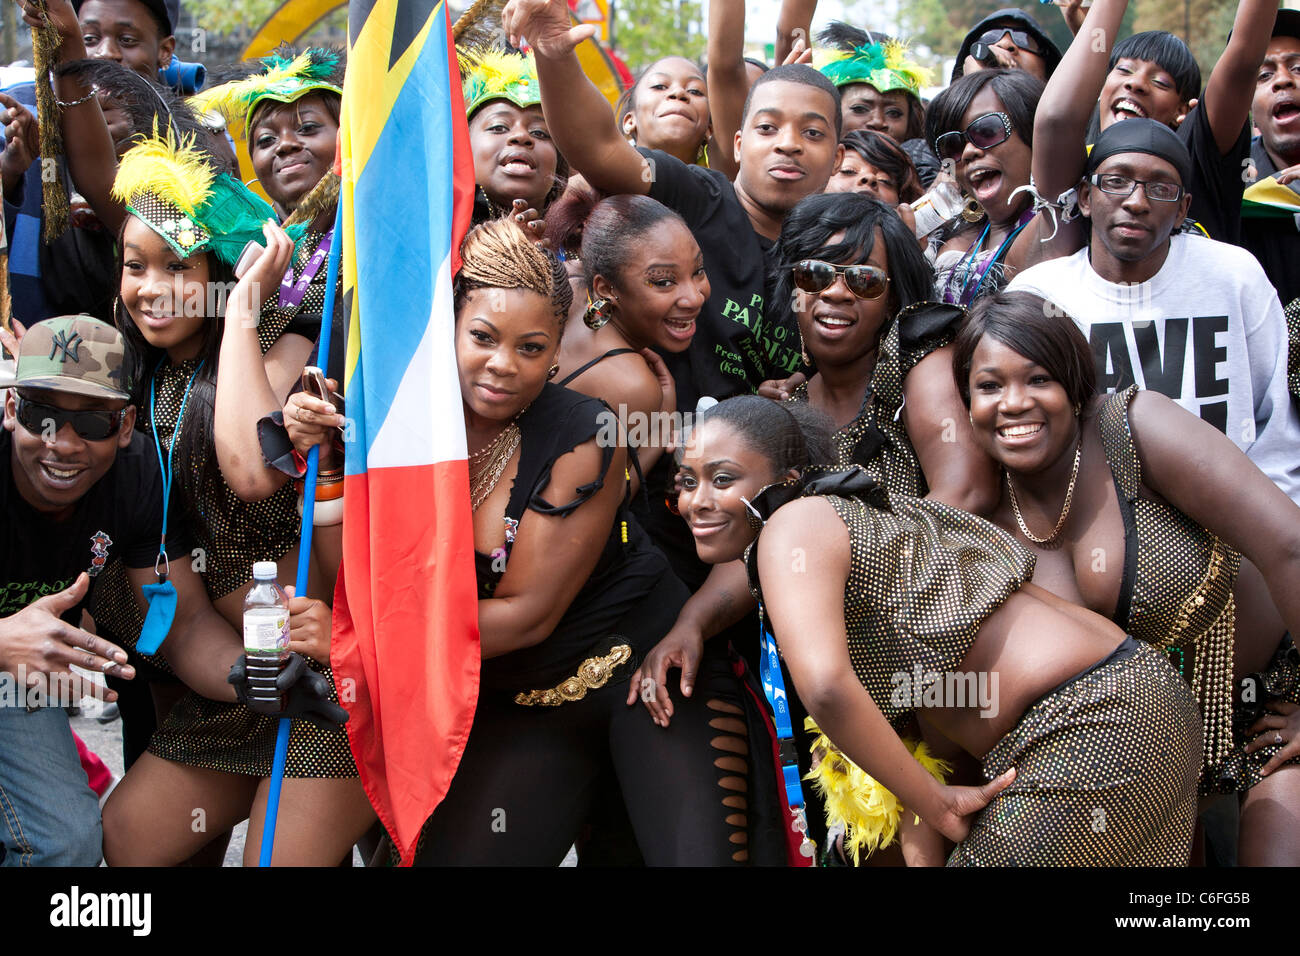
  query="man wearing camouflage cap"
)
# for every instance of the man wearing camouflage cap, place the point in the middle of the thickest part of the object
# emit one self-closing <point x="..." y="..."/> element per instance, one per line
<point x="78" y="487"/>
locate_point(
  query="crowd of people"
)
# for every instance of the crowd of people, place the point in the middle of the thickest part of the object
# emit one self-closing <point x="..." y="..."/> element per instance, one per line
<point x="972" y="537"/>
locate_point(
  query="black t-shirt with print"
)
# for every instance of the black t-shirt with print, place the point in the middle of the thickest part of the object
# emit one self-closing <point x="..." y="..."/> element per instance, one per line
<point x="120" y="517"/>
<point x="736" y="347"/>
<point x="1218" y="179"/>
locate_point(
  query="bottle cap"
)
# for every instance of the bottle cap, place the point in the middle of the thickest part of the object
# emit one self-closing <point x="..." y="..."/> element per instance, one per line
<point x="264" y="570"/>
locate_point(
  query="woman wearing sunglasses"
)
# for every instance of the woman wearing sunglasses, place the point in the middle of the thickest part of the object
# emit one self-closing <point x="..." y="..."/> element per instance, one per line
<point x="982" y="128"/>
<point x="859" y="286"/>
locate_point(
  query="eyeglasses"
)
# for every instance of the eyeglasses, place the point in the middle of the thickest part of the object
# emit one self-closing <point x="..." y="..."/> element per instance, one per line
<point x="984" y="132"/>
<point x="865" y="282"/>
<point x="91" y="424"/>
<point x="1115" y="185"/>
<point x="1019" y="37"/>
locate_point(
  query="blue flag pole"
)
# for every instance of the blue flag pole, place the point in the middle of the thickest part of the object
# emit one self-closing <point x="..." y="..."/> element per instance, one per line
<point x="304" y="544"/>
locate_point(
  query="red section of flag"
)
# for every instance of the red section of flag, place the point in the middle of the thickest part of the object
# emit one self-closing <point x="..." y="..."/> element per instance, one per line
<point x="405" y="648"/>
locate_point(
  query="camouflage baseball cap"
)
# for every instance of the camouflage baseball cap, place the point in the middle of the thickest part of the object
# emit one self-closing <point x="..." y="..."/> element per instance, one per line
<point x="72" y="353"/>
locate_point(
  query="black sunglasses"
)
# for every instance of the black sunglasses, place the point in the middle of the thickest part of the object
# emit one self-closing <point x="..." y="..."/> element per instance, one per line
<point x="91" y="424"/>
<point x="814" y="275"/>
<point x="984" y="132"/>
<point x="1019" y="37"/>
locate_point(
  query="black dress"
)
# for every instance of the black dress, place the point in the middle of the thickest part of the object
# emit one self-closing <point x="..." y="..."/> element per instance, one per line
<point x="552" y="724"/>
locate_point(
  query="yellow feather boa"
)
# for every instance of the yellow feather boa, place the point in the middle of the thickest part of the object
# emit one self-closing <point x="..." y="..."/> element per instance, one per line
<point x="867" y="810"/>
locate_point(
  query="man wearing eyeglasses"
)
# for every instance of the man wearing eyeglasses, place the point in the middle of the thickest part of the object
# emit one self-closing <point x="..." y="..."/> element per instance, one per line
<point x="78" y="488"/>
<point x="1009" y="39"/>
<point x="1178" y="313"/>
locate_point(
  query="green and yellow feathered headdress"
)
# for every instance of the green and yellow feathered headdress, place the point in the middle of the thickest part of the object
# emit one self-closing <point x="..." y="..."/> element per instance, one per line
<point x="282" y="78"/>
<point x="172" y="188"/>
<point x="498" y="75"/>
<point x="882" y="64"/>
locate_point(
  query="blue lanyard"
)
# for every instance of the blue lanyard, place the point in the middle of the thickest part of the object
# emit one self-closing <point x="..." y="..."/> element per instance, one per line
<point x="769" y="674"/>
<point x="166" y="468"/>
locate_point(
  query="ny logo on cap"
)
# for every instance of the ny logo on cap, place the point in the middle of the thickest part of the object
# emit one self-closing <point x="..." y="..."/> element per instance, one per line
<point x="71" y="347"/>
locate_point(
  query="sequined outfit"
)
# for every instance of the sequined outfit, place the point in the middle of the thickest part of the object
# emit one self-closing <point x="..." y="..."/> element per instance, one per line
<point x="1176" y="592"/>
<point x="232" y="534"/>
<point x="1106" y="764"/>
<point x="1124" y="735"/>
<point x="1279" y="681"/>
<point x="1293" y="349"/>
<point x="876" y="439"/>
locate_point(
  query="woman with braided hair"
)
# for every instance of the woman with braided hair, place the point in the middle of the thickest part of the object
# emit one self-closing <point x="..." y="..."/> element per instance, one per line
<point x="571" y="595"/>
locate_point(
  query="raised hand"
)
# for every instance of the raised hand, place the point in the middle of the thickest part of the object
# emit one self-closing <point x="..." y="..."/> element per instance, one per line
<point x="38" y="642"/>
<point x="546" y="26"/>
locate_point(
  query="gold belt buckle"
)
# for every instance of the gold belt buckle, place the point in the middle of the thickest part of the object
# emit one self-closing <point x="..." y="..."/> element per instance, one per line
<point x="593" y="673"/>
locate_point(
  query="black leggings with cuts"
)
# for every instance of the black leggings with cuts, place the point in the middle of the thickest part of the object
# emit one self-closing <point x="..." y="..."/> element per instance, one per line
<point x="530" y="778"/>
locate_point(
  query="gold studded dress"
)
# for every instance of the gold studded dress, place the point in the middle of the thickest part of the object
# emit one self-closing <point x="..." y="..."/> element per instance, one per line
<point x="876" y="439"/>
<point x="1106" y="762"/>
<point x="1176" y="593"/>
<point x="231" y="535"/>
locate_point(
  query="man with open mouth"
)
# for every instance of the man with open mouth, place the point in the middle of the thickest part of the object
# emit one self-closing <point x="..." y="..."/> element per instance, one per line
<point x="1275" y="239"/>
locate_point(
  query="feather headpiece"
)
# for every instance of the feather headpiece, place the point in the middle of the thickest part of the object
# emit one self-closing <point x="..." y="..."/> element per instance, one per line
<point x="171" y="187"/>
<point x="282" y="78"/>
<point x="881" y="63"/>
<point x="498" y="75"/>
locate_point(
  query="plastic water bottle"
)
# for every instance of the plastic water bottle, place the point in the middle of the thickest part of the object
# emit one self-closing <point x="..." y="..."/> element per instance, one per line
<point x="266" y="638"/>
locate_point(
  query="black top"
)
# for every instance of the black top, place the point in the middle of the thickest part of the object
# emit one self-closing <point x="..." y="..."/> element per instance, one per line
<point x="1217" y="178"/>
<point x="735" y="347"/>
<point x="594" y="362"/>
<point x="631" y="594"/>
<point x="1274" y="241"/>
<point x="120" y="517"/>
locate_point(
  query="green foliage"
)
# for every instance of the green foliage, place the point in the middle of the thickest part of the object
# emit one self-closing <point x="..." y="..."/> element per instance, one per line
<point x="646" y="30"/>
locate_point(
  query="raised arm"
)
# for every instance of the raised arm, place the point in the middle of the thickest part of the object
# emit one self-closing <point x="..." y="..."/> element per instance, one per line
<point x="807" y="613"/>
<point x="92" y="160"/>
<point x="957" y="471"/>
<point x="251" y="386"/>
<point x="552" y="556"/>
<point x="1197" y="469"/>
<point x="792" y="23"/>
<point x="577" y="115"/>
<point x="728" y="82"/>
<point x="1061" y="121"/>
<point x="1232" y="81"/>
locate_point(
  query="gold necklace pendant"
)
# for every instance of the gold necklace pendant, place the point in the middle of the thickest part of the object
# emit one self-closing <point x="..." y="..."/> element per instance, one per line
<point x="487" y="465"/>
<point x="1065" y="510"/>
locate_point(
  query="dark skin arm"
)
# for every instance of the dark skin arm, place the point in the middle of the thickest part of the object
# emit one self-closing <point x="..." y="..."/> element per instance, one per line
<point x="577" y="115"/>
<point x="1061" y="120"/>
<point x="957" y="471"/>
<point x="21" y="146"/>
<point x="807" y="613"/>
<point x="1231" y="86"/>
<point x="722" y="600"/>
<point x="552" y="556"/>
<point x="92" y="158"/>
<point x="201" y="645"/>
<point x="727" y="79"/>
<point x="793" y="24"/>
<point x="1197" y="469"/>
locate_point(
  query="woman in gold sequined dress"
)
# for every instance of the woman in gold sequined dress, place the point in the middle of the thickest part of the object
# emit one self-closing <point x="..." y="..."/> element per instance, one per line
<point x="1138" y="510"/>
<point x="870" y="591"/>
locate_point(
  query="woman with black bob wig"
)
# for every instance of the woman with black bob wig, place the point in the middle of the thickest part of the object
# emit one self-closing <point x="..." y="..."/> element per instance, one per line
<point x="1133" y="473"/>
<point x="859" y="288"/>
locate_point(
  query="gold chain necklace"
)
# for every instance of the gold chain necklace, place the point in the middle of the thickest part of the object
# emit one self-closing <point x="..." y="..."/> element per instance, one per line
<point x="1065" y="511"/>
<point x="487" y="465"/>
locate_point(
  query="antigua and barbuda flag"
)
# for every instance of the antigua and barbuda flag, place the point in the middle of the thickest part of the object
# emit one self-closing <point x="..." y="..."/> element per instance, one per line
<point x="405" y="648"/>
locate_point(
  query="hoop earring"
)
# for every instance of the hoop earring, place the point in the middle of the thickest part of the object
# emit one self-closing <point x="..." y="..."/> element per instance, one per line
<point x="702" y="155"/>
<point x="597" y="315"/>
